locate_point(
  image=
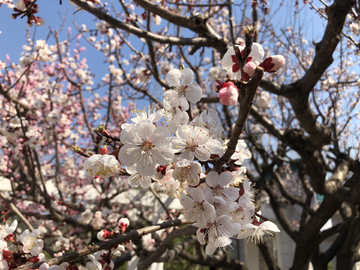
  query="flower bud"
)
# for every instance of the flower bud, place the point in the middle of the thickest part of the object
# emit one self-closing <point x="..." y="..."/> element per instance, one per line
<point x="248" y="71"/>
<point x="273" y="63"/>
<point x="104" y="234"/>
<point x="123" y="224"/>
<point x="160" y="172"/>
<point x="200" y="234"/>
<point x="217" y="85"/>
<point x="228" y="94"/>
<point x="98" y="180"/>
<point x="9" y="237"/>
<point x="103" y="150"/>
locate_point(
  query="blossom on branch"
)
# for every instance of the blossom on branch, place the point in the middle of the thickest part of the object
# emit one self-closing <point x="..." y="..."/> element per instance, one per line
<point x="195" y="142"/>
<point x="241" y="153"/>
<point x="182" y="81"/>
<point x="146" y="146"/>
<point x="228" y="94"/>
<point x="230" y="62"/>
<point x="196" y="208"/>
<point x="273" y="63"/>
<point x="102" y="165"/>
<point x="31" y="242"/>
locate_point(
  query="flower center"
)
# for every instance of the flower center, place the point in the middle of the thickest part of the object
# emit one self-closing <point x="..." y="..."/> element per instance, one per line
<point x="217" y="191"/>
<point x="191" y="146"/>
<point x="146" y="146"/>
<point x="181" y="90"/>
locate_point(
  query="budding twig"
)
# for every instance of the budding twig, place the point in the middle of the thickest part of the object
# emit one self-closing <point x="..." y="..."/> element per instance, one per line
<point x="246" y="101"/>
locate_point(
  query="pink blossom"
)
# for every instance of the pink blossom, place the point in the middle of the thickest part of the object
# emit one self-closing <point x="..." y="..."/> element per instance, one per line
<point x="248" y="71"/>
<point x="228" y="94"/>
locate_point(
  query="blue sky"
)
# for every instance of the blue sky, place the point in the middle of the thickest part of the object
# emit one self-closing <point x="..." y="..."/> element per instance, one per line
<point x="12" y="35"/>
<point x="13" y="32"/>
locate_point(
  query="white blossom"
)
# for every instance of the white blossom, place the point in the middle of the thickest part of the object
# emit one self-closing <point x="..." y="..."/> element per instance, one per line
<point x="8" y="229"/>
<point x="195" y="142"/>
<point x="241" y="153"/>
<point x="210" y="120"/>
<point x="102" y="165"/>
<point x="263" y="100"/>
<point x="31" y="243"/>
<point x="61" y="243"/>
<point x="257" y="232"/>
<point x="182" y="81"/>
<point x="142" y="115"/>
<point x="243" y="211"/>
<point x="175" y="110"/>
<point x="219" y="232"/>
<point x="86" y="217"/>
<point x="148" y="242"/>
<point x="188" y="171"/>
<point x="146" y="146"/>
<point x="196" y="209"/>
<point x="168" y="185"/>
<point x="219" y="186"/>
<point x="135" y="179"/>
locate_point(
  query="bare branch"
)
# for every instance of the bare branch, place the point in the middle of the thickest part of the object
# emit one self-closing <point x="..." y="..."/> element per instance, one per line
<point x="100" y="14"/>
<point x="16" y="211"/>
<point x="105" y="245"/>
<point x="189" y="230"/>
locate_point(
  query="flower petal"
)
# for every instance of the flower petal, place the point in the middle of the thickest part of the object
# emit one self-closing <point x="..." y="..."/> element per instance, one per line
<point x="173" y="77"/>
<point x="225" y="179"/>
<point x="202" y="153"/>
<point x="129" y="155"/>
<point x="212" y="179"/>
<point x="146" y="165"/>
<point x="164" y="155"/>
<point x="210" y="249"/>
<point x="187" y="76"/>
<point x="197" y="195"/>
<point x="193" y="92"/>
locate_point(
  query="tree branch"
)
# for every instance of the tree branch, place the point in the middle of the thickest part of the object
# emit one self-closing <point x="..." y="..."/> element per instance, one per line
<point x="244" y="109"/>
<point x="106" y="244"/>
<point x="154" y="257"/>
<point x="100" y="14"/>
<point x="221" y="261"/>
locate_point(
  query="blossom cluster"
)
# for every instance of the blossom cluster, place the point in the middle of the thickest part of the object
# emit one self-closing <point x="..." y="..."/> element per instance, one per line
<point x="29" y="244"/>
<point x="163" y="149"/>
<point x="41" y="120"/>
<point x="227" y="91"/>
<point x="170" y="157"/>
<point x="101" y="259"/>
<point x="28" y="8"/>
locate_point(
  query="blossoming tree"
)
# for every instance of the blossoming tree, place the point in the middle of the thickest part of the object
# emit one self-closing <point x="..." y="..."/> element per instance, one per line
<point x="233" y="103"/>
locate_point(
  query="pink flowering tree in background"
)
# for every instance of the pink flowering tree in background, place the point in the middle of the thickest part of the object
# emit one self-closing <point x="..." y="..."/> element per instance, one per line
<point x="232" y="101"/>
